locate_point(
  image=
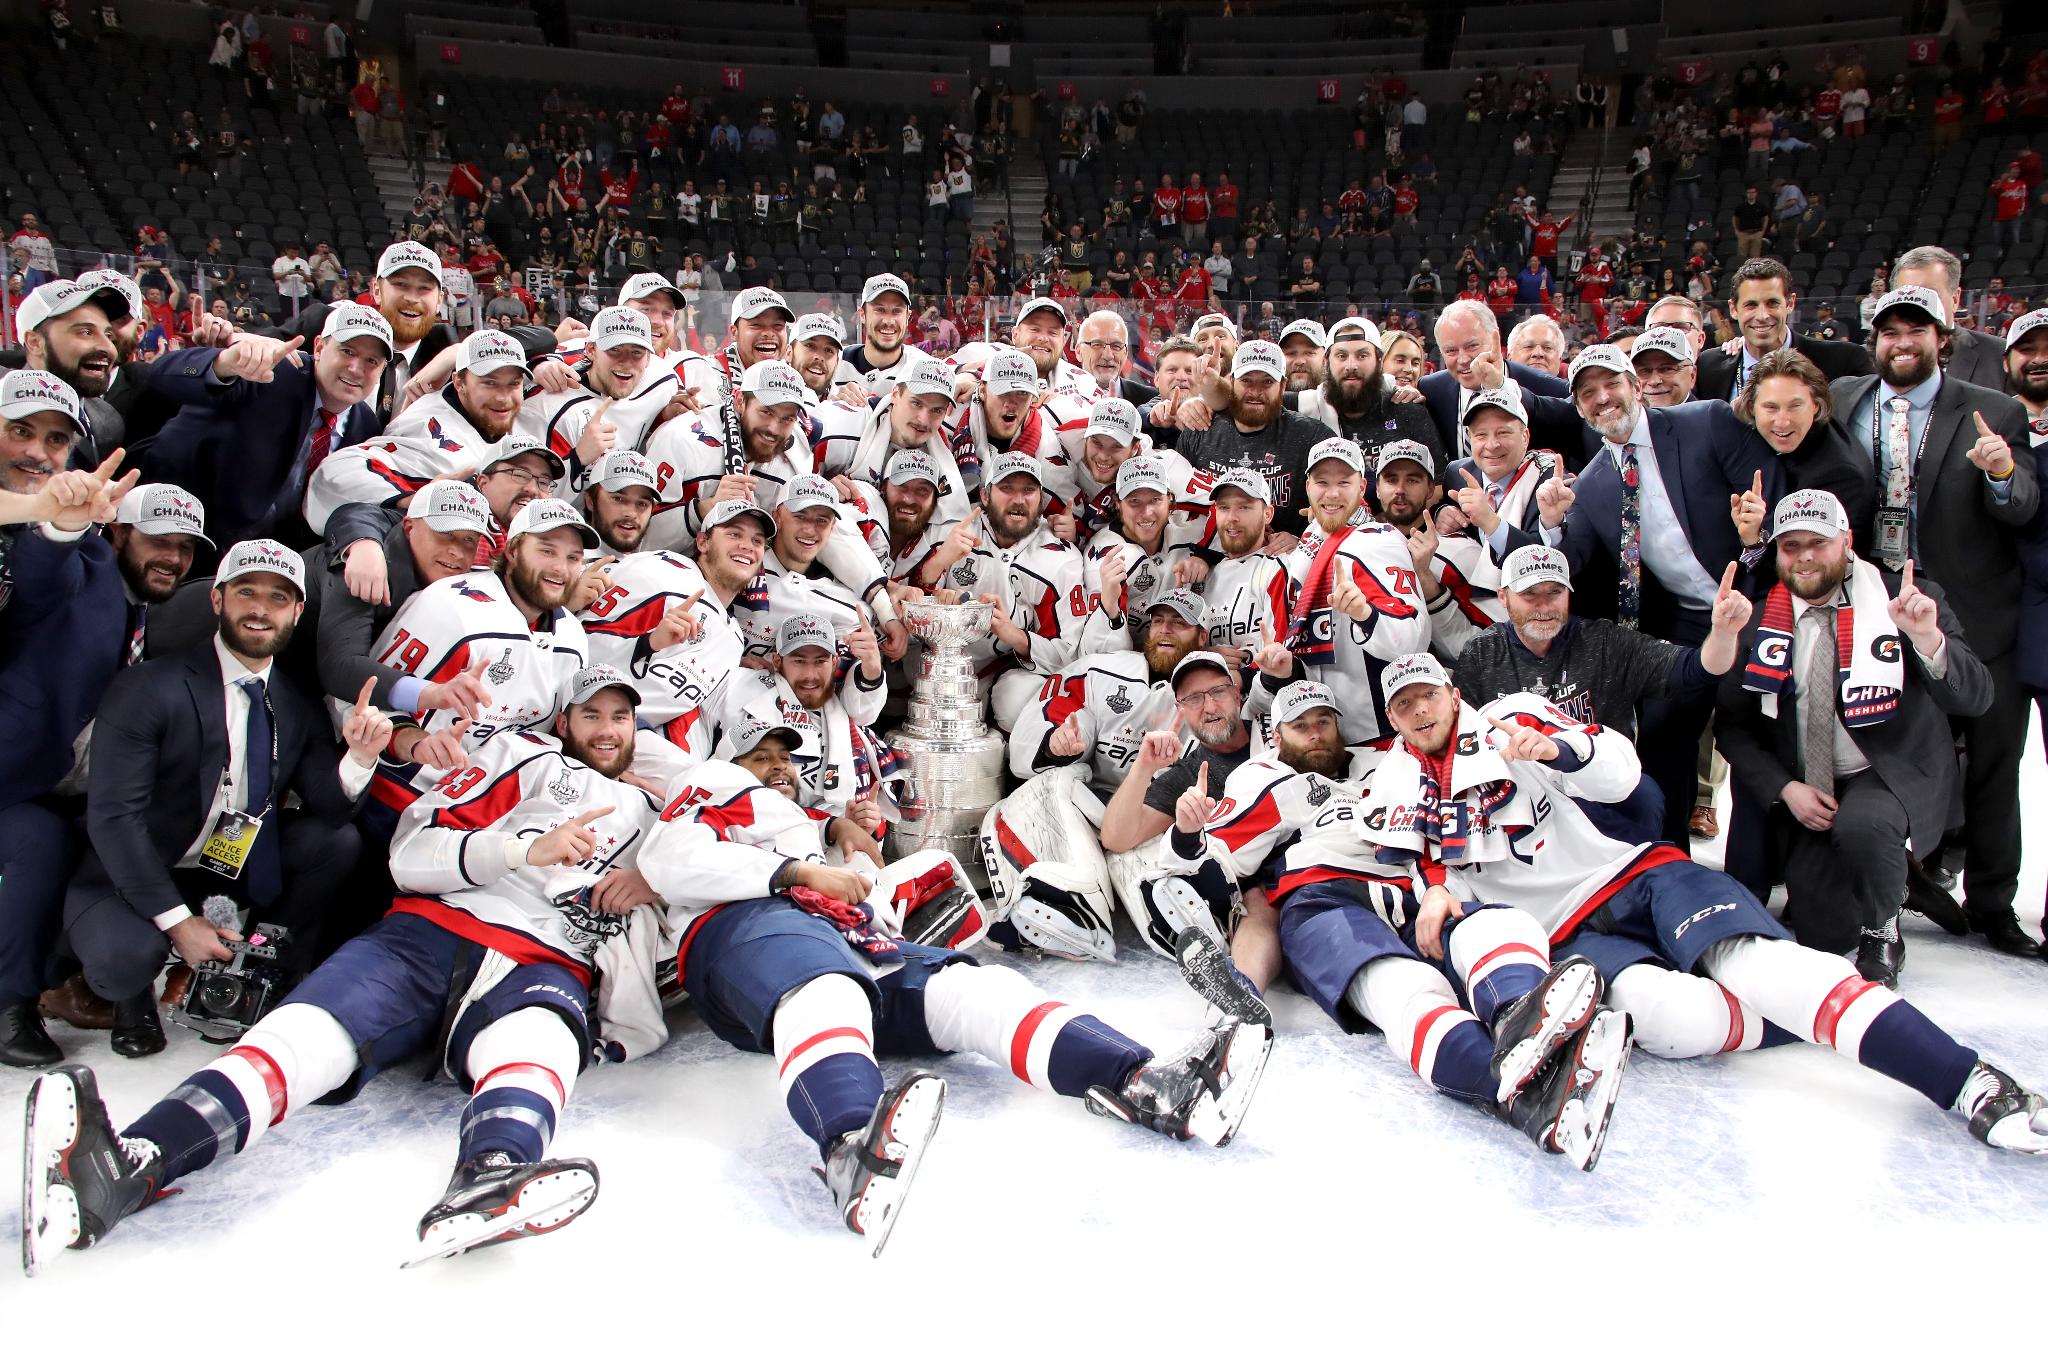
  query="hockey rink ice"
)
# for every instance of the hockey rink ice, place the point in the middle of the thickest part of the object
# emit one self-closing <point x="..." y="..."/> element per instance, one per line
<point x="1743" y="1204"/>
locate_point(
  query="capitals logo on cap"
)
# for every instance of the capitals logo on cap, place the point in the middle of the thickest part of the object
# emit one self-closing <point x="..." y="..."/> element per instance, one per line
<point x="1258" y="357"/>
<point x="129" y="290"/>
<point x="1114" y="417"/>
<point x="1410" y="669"/>
<point x="1297" y="699"/>
<point x="2023" y="324"/>
<point x="162" y="509"/>
<point x="806" y="491"/>
<point x="347" y="321"/>
<point x="487" y="351"/>
<point x="623" y="469"/>
<point x="811" y="326"/>
<point x="596" y="679"/>
<point x="1919" y="298"/>
<point x="408" y="256"/>
<point x="1142" y="471"/>
<point x="802" y="631"/>
<point x="452" y="505"/>
<point x="772" y="382"/>
<point x="1010" y="371"/>
<point x="1809" y="509"/>
<point x="1335" y="448"/>
<point x="1250" y="482"/>
<point x="883" y="284"/>
<point x="1602" y="357"/>
<point x="1394" y="451"/>
<point x="749" y="304"/>
<point x="1305" y="327"/>
<point x="621" y="326"/>
<point x="543" y="515"/>
<point x="25" y="391"/>
<point x="262" y="556"/>
<point x="1533" y="564"/>
<point x="909" y="464"/>
<point x="928" y="378"/>
<point x="645" y="284"/>
<point x="1181" y="603"/>
<point x="752" y="730"/>
<point x="1010" y="462"/>
<point x="732" y="509"/>
<point x="1669" y="340"/>
<point x="58" y="297"/>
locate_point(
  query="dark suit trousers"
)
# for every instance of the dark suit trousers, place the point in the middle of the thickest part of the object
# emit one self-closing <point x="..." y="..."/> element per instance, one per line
<point x="1851" y="877"/>
<point x="1991" y="794"/>
<point x="122" y="952"/>
<point x="36" y="853"/>
<point x="1668" y="733"/>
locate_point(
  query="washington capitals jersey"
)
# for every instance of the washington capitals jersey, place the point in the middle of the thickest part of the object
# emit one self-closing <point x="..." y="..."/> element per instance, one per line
<point x="557" y="420"/>
<point x="723" y="837"/>
<point x="1114" y="700"/>
<point x="680" y="684"/>
<point x="431" y="439"/>
<point x="1245" y="598"/>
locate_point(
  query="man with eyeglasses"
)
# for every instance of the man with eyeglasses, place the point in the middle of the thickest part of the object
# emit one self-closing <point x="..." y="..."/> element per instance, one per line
<point x="356" y="533"/>
<point x="1207" y="701"/>
<point x="1104" y="342"/>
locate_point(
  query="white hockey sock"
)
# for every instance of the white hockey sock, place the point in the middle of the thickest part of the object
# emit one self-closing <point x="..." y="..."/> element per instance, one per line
<point x="1815" y="996"/>
<point x="1414" y="1006"/>
<point x="297" y="1054"/>
<point x="1046" y="1043"/>
<point x="825" y="1056"/>
<point x="1677" y="1015"/>
<point x="524" y="1068"/>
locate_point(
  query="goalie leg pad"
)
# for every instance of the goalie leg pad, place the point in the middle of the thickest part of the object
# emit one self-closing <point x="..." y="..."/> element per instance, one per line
<point x="926" y="898"/>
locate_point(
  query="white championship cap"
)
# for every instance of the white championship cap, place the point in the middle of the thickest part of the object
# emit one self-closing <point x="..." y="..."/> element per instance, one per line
<point x="1262" y="357"/>
<point x="732" y="509"/>
<point x="1299" y="698"/>
<point x="1507" y="400"/>
<point x="488" y="351"/>
<point x="804" y="630"/>
<point x="1113" y="417"/>
<point x="595" y="679"/>
<point x="1809" y="509"/>
<point x="543" y="515"/>
<point x="58" y="297"/>
<point x="2023" y="324"/>
<point x="623" y="469"/>
<point x="129" y="290"/>
<point x="772" y="382"/>
<point x="747" y="734"/>
<point x="25" y="391"/>
<point x="1410" y="669"/>
<point x="262" y="556"/>
<point x="811" y="326"/>
<point x="909" y="464"/>
<point x="1200" y="658"/>
<point x="1532" y="564"/>
<point x="646" y="283"/>
<point x="408" y="256"/>
<point x="346" y="321"/>
<point x="749" y="304"/>
<point x="1601" y="357"/>
<point x="806" y="491"/>
<point x="619" y="325"/>
<point x="162" y="509"/>
<point x="1332" y="448"/>
<point x="1008" y="462"/>
<point x="1919" y="298"/>
<point x="1142" y="471"/>
<point x="1669" y="340"/>
<point x="1246" y="480"/>
<point x="1043" y="305"/>
<point x="1394" y="451"/>
<point x="1305" y="327"/>
<point x="1009" y="370"/>
<point x="1181" y="603"/>
<point x="928" y="378"/>
<point x="451" y="505"/>
<point x="883" y="284"/>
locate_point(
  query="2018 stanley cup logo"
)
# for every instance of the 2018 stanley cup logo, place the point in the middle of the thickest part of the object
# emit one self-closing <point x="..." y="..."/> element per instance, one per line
<point x="956" y="761"/>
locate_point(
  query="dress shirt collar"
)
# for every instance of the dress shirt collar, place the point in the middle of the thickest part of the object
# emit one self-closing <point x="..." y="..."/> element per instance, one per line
<point x="231" y="670"/>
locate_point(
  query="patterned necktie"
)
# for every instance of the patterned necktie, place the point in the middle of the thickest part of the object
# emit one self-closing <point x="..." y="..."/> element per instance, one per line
<point x="322" y="442"/>
<point x="266" y="872"/>
<point x="1497" y="493"/>
<point x="1817" y="733"/>
<point x="1898" y="465"/>
<point x="138" y="618"/>
<point x="1629" y="604"/>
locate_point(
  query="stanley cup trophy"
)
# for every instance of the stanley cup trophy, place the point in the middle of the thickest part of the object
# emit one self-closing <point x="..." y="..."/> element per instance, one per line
<point x="955" y="761"/>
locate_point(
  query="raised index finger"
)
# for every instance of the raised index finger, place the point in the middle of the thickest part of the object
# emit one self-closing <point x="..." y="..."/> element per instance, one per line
<point x="1505" y="727"/>
<point x="110" y="464"/>
<point x="1728" y="577"/>
<point x="1756" y="483"/>
<point x="1471" y="481"/>
<point x="1983" y="427"/>
<point x="1906" y="578"/>
<point x="363" y="697"/>
<point x="1202" y="778"/>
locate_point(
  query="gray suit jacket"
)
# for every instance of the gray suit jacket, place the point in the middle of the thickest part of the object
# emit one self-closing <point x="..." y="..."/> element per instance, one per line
<point x="1977" y="358"/>
<point x="1968" y="539"/>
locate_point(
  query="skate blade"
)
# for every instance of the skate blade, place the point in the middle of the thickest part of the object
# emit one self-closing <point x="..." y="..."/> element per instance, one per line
<point x="1204" y="966"/>
<point x="1603" y="1056"/>
<point x="1567" y="1005"/>
<point x="2016" y="1133"/>
<point x="1216" y="1117"/>
<point x="49" y="1208"/>
<point x="543" y="1204"/>
<point x="907" y="1134"/>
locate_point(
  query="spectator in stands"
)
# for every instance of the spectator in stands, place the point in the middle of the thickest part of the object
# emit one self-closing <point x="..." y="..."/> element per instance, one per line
<point x="959" y="188"/>
<point x="1414" y="121"/>
<point x="1788" y="203"/>
<point x="1749" y="220"/>
<point x="1948" y="116"/>
<point x="2009" y="196"/>
<point x="292" y="273"/>
<point x="390" y="116"/>
<point x="1532" y="287"/>
<point x="1537" y="342"/>
<point x="1425" y="287"/>
<point x="1855" y="109"/>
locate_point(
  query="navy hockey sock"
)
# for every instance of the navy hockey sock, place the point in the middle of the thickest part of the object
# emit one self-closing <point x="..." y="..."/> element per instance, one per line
<point x="834" y="1096"/>
<point x="189" y="1125"/>
<point x="513" y="1111"/>
<point x="1912" y="1049"/>
<point x="1503" y="987"/>
<point x="1463" y="1064"/>
<point x="1085" y="1052"/>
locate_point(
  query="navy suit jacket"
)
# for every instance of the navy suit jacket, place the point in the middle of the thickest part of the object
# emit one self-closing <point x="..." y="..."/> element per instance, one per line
<point x="1554" y="423"/>
<point x="158" y="750"/>
<point x="234" y="444"/>
<point x="61" y="641"/>
<point x="1704" y="455"/>
<point x="1527" y="533"/>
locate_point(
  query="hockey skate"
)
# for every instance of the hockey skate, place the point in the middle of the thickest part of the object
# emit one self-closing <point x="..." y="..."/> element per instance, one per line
<point x="868" y="1173"/>
<point x="2004" y="1113"/>
<point x="493" y="1198"/>
<point x="79" y="1178"/>
<point x="1566" y="1106"/>
<point x="1205" y="965"/>
<point x="1529" y="1032"/>
<point x="1202" y="1093"/>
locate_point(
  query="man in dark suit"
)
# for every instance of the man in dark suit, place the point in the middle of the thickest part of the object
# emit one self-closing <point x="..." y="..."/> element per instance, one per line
<point x="69" y="328"/>
<point x="1761" y="302"/>
<point x="1956" y="486"/>
<point x="257" y="419"/>
<point x="1848" y="793"/>
<point x="193" y="756"/>
<point x="1104" y="344"/>
<point x="1468" y="336"/>
<point x="407" y="292"/>
<point x="1972" y="356"/>
<point x="1649" y="535"/>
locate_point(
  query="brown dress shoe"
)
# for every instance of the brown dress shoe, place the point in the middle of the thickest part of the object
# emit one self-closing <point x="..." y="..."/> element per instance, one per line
<point x="76" y="1005"/>
<point x="1704" y="824"/>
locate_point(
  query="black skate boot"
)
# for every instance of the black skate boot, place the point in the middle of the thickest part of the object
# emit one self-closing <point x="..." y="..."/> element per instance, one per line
<point x="1566" y="1106"/>
<point x="79" y="1177"/>
<point x="2003" y="1113"/>
<point x="868" y="1173"/>
<point x="1205" y="964"/>
<point x="1530" y="1032"/>
<point x="1880" y="953"/>
<point x="492" y="1199"/>
<point x="1201" y="1093"/>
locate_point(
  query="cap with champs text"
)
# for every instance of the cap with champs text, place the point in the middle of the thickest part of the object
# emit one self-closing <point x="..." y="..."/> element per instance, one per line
<point x="1668" y="340"/>
<point x="1505" y="400"/>
<point x="1261" y="357"/>
<point x="1009" y="370"/>
<point x="621" y="326"/>
<point x="1411" y="669"/>
<point x="1335" y="448"/>
<point x="2023" y="324"/>
<point x="909" y="464"/>
<point x="752" y="730"/>
<point x="59" y="297"/>
<point x="803" y="630"/>
<point x="1008" y="462"/>
<point x="647" y="283"/>
<point x="1601" y="357"/>
<point x="1113" y="417"/>
<point x="1142" y="471"/>
<point x="130" y="291"/>
<point x="812" y="326"/>
<point x="732" y="509"/>
<point x="487" y="351"/>
<point x="623" y="469"/>
<point x="162" y="509"/>
<point x="450" y="505"/>
<point x="773" y="383"/>
<point x="749" y="304"/>
<point x="883" y="284"/>
<point x="1248" y="481"/>
<point x="1532" y="564"/>
<point x="1182" y="603"/>
<point x="806" y="491"/>
<point x="1919" y="298"/>
<point x="1043" y="305"/>
<point x="595" y="679"/>
<point x="543" y="515"/>
<point x="408" y="256"/>
<point x="1809" y="509"/>
<point x="29" y="391"/>
<point x="1297" y="699"/>
<point x="1395" y="451"/>
<point x="347" y="321"/>
<point x="517" y="447"/>
<point x="262" y="556"/>
<point x="927" y="378"/>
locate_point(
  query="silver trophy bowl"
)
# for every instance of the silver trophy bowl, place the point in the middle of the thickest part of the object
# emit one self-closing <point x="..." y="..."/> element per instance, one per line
<point x="955" y="761"/>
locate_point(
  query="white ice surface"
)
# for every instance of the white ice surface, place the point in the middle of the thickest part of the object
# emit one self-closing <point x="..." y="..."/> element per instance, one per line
<point x="1774" y="1205"/>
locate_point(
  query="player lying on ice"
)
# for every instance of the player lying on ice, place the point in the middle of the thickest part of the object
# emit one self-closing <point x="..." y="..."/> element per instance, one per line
<point x="780" y="955"/>
<point x="1482" y="800"/>
<point x="1490" y="1020"/>
<point x="511" y="873"/>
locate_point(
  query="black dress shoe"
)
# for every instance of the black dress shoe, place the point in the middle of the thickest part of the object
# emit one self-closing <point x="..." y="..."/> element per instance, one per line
<point x="2001" y="929"/>
<point x="1925" y="895"/>
<point x="1879" y="955"/>
<point x="23" y="1040"/>
<point x="137" y="1030"/>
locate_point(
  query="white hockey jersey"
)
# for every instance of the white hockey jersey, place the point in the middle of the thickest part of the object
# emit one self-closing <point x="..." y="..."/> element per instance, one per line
<point x="1039" y="583"/>
<point x="1067" y="380"/>
<point x="1245" y="598"/>
<point x="1115" y="624"/>
<point x="557" y="420"/>
<point x="843" y="760"/>
<point x="679" y="686"/>
<point x="445" y="628"/>
<point x="857" y="441"/>
<point x="1348" y="655"/>
<point x="1511" y="833"/>
<point x="967" y="435"/>
<point x="722" y="837"/>
<point x="459" y="856"/>
<point x="1115" y="700"/>
<point x="777" y="592"/>
<point x="688" y="455"/>
<point x="431" y="439"/>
